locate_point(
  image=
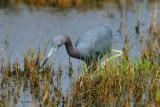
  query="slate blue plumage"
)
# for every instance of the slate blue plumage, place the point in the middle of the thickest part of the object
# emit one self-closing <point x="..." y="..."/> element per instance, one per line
<point x="94" y="44"/>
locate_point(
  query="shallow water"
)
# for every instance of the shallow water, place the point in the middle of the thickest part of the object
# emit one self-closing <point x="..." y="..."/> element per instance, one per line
<point x="23" y="28"/>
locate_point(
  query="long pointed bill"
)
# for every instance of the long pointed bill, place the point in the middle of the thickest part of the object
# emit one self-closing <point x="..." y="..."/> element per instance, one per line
<point x="52" y="51"/>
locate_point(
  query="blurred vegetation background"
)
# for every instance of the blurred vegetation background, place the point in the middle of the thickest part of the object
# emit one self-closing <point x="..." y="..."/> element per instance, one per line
<point x="61" y="3"/>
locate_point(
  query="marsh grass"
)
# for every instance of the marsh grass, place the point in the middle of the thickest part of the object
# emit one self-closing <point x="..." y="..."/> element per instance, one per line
<point x="63" y="3"/>
<point x="43" y="84"/>
<point x="119" y="85"/>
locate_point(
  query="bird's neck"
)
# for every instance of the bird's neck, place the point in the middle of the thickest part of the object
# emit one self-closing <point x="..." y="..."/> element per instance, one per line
<point x="72" y="51"/>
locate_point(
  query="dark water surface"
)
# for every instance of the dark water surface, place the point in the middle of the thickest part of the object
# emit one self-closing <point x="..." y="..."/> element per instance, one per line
<point x="23" y="28"/>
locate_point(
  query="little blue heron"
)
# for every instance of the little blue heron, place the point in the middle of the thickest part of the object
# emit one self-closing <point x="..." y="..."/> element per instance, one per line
<point x="90" y="47"/>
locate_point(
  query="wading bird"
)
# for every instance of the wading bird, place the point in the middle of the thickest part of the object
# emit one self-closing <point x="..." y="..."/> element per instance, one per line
<point x="90" y="47"/>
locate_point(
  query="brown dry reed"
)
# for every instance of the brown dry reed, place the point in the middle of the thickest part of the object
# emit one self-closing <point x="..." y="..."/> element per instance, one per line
<point x="43" y="83"/>
<point x="63" y="3"/>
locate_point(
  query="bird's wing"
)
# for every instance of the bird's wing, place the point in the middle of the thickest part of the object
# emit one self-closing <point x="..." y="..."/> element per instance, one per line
<point x="95" y="42"/>
<point x="83" y="44"/>
<point x="78" y="41"/>
<point x="102" y="40"/>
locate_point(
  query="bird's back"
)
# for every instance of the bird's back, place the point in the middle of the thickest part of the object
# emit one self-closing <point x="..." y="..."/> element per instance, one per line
<point x="94" y="43"/>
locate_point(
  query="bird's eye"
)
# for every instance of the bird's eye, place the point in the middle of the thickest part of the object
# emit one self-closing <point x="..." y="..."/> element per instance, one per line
<point x="60" y="43"/>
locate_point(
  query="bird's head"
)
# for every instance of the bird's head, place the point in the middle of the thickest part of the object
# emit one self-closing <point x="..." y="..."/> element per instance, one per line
<point x="60" y="40"/>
